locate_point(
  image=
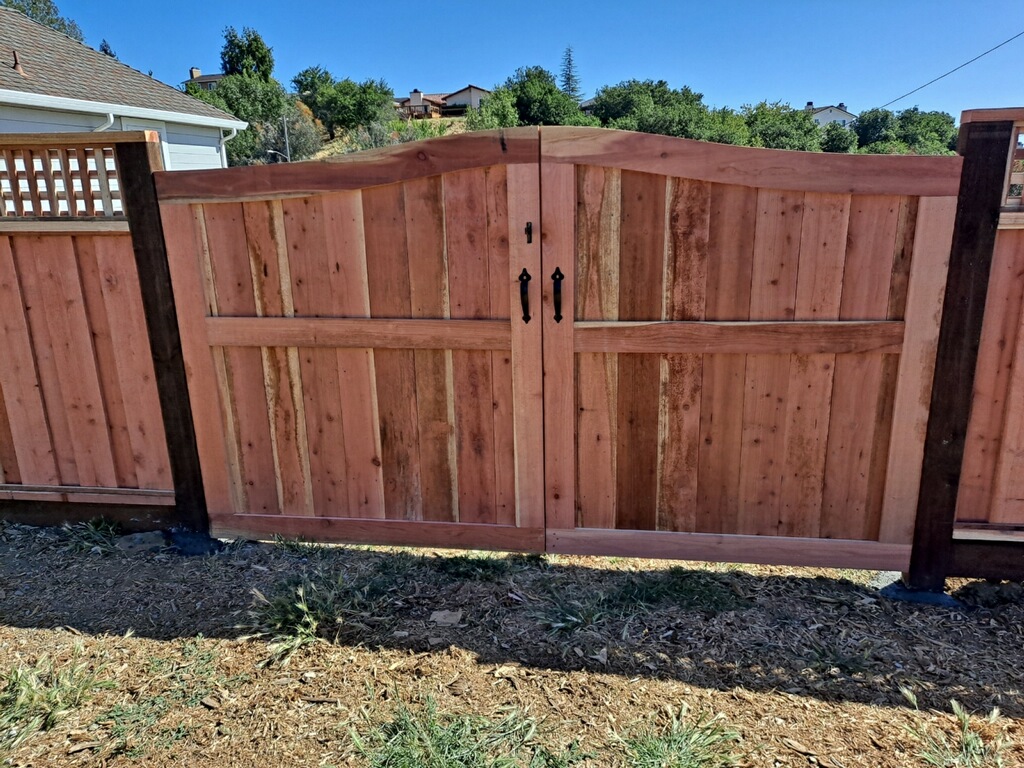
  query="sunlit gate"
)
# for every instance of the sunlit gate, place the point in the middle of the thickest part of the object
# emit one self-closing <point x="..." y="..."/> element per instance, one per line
<point x="745" y="357"/>
<point x="358" y="363"/>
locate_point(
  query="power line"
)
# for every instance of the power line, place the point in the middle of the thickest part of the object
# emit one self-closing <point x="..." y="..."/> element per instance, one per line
<point x="986" y="53"/>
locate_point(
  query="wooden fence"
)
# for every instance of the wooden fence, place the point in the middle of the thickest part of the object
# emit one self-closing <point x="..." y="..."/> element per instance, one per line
<point x="80" y="415"/>
<point x="565" y="340"/>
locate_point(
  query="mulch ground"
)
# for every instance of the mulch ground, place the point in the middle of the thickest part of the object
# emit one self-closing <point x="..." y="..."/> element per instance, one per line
<point x="806" y="665"/>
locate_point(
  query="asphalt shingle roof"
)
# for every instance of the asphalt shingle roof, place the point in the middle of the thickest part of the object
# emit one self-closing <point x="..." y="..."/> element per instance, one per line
<point x="56" y="65"/>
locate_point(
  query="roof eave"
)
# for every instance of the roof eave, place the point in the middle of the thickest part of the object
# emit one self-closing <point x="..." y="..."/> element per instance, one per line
<point x="43" y="101"/>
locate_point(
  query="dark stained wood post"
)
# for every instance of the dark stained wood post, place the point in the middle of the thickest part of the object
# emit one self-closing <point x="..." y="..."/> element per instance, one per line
<point x="985" y="148"/>
<point x="136" y="162"/>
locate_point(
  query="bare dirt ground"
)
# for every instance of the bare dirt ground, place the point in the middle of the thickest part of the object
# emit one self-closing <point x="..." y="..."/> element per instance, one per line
<point x="804" y="666"/>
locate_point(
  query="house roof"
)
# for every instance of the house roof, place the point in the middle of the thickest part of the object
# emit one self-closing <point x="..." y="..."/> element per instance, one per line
<point x="818" y="110"/>
<point x="436" y="98"/>
<point x="466" y="88"/>
<point x="60" y="73"/>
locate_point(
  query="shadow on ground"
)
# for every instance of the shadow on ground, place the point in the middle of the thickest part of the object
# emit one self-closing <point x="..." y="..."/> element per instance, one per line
<point x="829" y="635"/>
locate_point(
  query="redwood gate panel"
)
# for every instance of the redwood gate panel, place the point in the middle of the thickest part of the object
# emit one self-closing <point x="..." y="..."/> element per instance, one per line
<point x="747" y="350"/>
<point x="355" y="363"/>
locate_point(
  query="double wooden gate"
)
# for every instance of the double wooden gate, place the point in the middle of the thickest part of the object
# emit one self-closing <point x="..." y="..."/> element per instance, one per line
<point x="728" y="356"/>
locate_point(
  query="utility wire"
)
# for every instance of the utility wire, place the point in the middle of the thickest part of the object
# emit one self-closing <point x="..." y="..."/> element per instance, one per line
<point x="986" y="53"/>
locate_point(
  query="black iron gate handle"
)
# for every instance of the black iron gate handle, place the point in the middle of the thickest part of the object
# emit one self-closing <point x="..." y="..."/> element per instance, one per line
<point x="524" y="294"/>
<point x="558" y="277"/>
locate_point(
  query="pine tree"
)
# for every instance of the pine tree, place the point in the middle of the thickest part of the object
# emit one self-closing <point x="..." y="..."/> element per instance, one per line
<point x="105" y="48"/>
<point x="570" y="81"/>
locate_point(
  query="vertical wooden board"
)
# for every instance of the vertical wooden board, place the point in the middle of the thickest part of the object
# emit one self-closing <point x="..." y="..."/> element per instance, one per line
<point x="527" y="359"/>
<point x="26" y="416"/>
<point x="134" y="375"/>
<point x="772" y="297"/>
<point x="818" y="296"/>
<point x="470" y="290"/>
<point x="343" y="222"/>
<point x="9" y="472"/>
<point x="311" y="296"/>
<point x="428" y="274"/>
<point x="183" y="227"/>
<point x="558" y="219"/>
<point x="642" y="249"/>
<point x="858" y="422"/>
<point x="243" y="366"/>
<point x="498" y="235"/>
<point x="686" y="268"/>
<point x="912" y="400"/>
<point x="599" y="195"/>
<point x="732" y="224"/>
<point x="74" y="359"/>
<point x="993" y="396"/>
<point x="106" y="361"/>
<point x="1007" y="496"/>
<point x="282" y="376"/>
<point x="387" y="266"/>
<point x="24" y="250"/>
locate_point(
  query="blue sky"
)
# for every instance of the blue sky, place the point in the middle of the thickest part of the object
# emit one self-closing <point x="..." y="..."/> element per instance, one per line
<point x="864" y="53"/>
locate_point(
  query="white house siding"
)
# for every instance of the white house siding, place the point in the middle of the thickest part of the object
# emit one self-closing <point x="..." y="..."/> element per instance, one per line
<point x="833" y="115"/>
<point x="467" y="96"/>
<point x="185" y="147"/>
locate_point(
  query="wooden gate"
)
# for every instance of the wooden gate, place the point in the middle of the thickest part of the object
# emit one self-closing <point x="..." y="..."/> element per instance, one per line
<point x="737" y="345"/>
<point x="356" y="368"/>
<point x="747" y="349"/>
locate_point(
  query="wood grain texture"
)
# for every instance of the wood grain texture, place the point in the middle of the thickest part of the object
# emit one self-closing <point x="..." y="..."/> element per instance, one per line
<point x="858" y="432"/>
<point x="772" y="297"/>
<point x="185" y="256"/>
<point x="917" y="364"/>
<point x="599" y="196"/>
<point x="428" y="269"/>
<point x="641" y="290"/>
<point x="361" y="333"/>
<point x="390" y="294"/>
<point x="830" y="553"/>
<point x="469" y="283"/>
<point x="243" y="379"/>
<point x="527" y="359"/>
<point x="686" y="268"/>
<point x="730" y="268"/>
<point x="993" y="396"/>
<point x="354" y="171"/>
<point x="766" y="168"/>
<point x="558" y="238"/>
<point x="26" y="417"/>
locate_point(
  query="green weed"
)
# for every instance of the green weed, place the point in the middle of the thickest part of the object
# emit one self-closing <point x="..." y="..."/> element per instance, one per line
<point x="36" y="698"/>
<point x="428" y="739"/>
<point x="703" y="743"/>
<point x="97" y="535"/>
<point x="690" y="590"/>
<point x="474" y="567"/>
<point x="975" y="743"/>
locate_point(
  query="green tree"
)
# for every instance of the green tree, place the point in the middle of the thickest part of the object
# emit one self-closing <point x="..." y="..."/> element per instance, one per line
<point x="246" y="54"/>
<point x="106" y="49"/>
<point x="303" y="139"/>
<point x="778" y="126"/>
<point x="837" y="138"/>
<point x="629" y="97"/>
<point x="539" y="101"/>
<point x="496" y="111"/>
<point x="570" y="80"/>
<point x="46" y="12"/>
<point x="313" y="86"/>
<point x="258" y="102"/>
<point x="875" y="125"/>
<point x="927" y="133"/>
<point x="342" y="104"/>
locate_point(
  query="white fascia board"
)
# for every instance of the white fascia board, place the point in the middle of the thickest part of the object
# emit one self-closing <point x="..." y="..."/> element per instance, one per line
<point x="42" y="101"/>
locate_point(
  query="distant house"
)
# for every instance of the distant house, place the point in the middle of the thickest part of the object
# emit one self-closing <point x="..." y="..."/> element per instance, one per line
<point x="50" y="83"/>
<point x="201" y="81"/>
<point x="430" y="105"/>
<point x="831" y="114"/>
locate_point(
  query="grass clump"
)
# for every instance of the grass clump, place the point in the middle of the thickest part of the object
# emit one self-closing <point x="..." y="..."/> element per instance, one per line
<point x="313" y="609"/>
<point x="976" y="743"/>
<point x="427" y="739"/>
<point x="690" y="590"/>
<point x="472" y="567"/>
<point x="703" y="743"/>
<point x="97" y="535"/>
<point x="35" y="698"/>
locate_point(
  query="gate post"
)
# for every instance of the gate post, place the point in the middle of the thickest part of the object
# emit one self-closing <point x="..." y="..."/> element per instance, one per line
<point x="984" y="147"/>
<point x="136" y="162"/>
